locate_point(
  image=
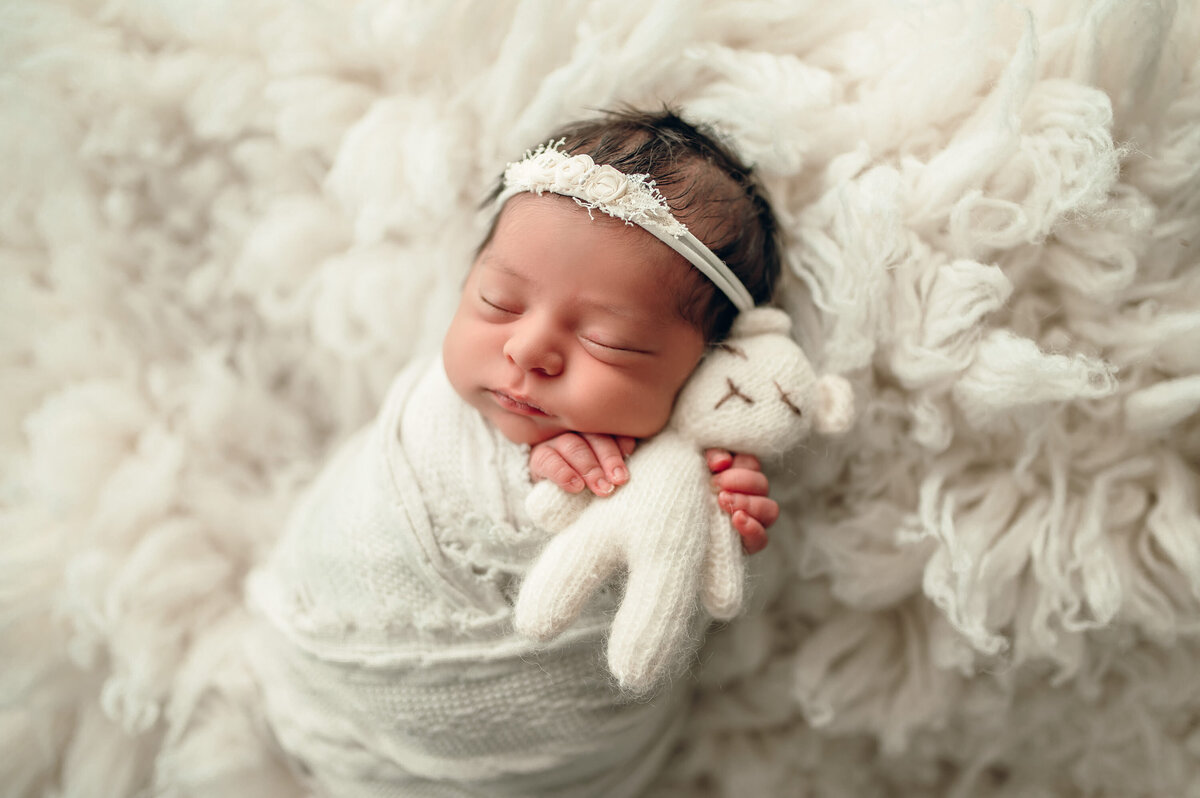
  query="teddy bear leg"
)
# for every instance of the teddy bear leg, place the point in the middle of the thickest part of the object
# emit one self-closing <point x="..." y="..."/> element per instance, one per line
<point x="650" y="630"/>
<point x="570" y="569"/>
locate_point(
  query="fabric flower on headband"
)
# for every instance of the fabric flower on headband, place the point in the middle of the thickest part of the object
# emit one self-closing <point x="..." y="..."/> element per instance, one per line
<point x="606" y="184"/>
<point x="633" y="198"/>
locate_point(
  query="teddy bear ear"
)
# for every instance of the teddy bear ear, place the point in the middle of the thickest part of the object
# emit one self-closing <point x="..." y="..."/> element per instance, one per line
<point x="835" y="405"/>
<point x="759" y="321"/>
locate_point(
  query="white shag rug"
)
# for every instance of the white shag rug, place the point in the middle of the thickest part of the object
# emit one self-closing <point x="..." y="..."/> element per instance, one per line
<point x="224" y="225"/>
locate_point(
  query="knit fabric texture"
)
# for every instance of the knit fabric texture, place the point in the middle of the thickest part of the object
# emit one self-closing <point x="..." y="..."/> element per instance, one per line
<point x="389" y="666"/>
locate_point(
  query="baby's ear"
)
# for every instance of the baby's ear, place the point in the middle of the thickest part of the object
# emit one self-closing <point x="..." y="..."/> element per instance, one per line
<point x="835" y="405"/>
<point x="758" y="321"/>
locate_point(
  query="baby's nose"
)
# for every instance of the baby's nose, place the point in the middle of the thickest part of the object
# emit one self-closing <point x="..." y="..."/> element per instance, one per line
<point x="533" y="348"/>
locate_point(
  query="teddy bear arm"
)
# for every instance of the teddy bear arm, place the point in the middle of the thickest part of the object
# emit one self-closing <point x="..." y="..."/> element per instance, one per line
<point x="552" y="508"/>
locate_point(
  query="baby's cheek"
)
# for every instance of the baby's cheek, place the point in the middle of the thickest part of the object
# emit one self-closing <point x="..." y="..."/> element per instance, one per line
<point x="461" y="357"/>
<point x="452" y="360"/>
<point x="647" y="411"/>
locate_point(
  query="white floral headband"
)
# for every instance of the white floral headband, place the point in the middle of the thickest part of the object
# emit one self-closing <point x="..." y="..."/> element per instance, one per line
<point x="632" y="198"/>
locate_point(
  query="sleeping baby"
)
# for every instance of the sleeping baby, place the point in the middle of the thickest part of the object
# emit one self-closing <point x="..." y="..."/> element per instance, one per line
<point x="407" y="643"/>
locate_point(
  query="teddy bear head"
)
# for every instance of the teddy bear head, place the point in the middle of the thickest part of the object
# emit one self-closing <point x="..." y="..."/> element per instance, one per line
<point x="756" y="392"/>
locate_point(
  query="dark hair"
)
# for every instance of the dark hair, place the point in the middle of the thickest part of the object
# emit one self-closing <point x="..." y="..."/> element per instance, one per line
<point x="708" y="189"/>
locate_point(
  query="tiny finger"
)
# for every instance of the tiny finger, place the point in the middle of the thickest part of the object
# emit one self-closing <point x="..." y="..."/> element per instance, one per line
<point x="741" y="480"/>
<point x="608" y="452"/>
<point x="547" y="463"/>
<point x="754" y="536"/>
<point x="718" y="459"/>
<point x="577" y="450"/>
<point x="763" y="510"/>
<point x="747" y="461"/>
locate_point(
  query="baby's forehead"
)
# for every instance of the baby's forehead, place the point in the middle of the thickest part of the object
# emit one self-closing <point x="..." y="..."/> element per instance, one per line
<point x="526" y="212"/>
<point x="525" y="220"/>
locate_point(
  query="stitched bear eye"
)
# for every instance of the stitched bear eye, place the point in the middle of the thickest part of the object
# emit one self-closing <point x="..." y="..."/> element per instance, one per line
<point x="733" y="391"/>
<point x="787" y="400"/>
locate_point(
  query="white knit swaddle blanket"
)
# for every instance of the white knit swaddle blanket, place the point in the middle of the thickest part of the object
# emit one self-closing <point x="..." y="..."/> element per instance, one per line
<point x="389" y="664"/>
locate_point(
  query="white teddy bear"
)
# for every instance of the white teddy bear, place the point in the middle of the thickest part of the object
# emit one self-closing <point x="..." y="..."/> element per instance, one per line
<point x="754" y="393"/>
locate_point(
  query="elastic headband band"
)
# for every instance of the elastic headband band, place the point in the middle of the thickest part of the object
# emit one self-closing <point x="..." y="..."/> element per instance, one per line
<point x="632" y="198"/>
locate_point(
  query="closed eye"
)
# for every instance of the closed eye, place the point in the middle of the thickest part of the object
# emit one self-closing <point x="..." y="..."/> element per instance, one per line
<point x="732" y="393"/>
<point x="787" y="400"/>
<point x="603" y="347"/>
<point x="497" y="307"/>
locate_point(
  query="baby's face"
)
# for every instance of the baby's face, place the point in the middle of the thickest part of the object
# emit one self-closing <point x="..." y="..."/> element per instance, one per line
<point x="568" y="322"/>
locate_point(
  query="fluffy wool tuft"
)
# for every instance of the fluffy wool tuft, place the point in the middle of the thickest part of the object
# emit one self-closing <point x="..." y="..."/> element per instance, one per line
<point x="225" y="226"/>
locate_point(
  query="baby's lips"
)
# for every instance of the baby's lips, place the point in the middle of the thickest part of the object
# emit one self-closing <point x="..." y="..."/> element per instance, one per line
<point x="517" y="403"/>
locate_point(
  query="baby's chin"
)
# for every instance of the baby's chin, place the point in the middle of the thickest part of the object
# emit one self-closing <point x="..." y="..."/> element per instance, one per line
<point x="534" y="437"/>
<point x="529" y="431"/>
<point x="527" y="434"/>
<point x="530" y="439"/>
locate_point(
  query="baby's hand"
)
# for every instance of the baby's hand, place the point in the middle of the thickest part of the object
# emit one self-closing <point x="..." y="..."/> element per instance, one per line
<point x="575" y="460"/>
<point x="743" y="494"/>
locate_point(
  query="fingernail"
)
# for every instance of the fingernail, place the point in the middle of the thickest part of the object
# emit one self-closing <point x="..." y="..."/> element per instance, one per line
<point x="619" y="474"/>
<point x="575" y="485"/>
<point x="603" y="487"/>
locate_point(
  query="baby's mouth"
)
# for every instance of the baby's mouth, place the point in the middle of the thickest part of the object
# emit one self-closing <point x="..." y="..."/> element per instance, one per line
<point x="517" y="404"/>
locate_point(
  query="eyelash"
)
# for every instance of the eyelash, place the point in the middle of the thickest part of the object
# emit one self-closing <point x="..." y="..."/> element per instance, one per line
<point x="494" y="306"/>
<point x="622" y="349"/>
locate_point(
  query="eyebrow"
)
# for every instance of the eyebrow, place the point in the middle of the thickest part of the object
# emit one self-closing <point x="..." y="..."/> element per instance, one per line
<point x="619" y="310"/>
<point x="490" y="260"/>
